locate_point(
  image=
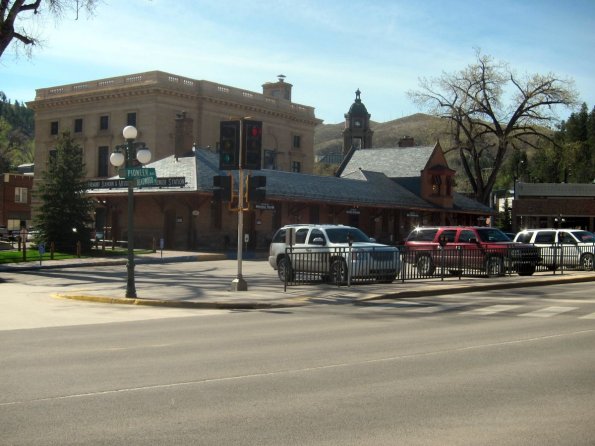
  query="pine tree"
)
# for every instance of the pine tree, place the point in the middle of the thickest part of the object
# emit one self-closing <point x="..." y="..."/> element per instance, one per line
<point x="65" y="213"/>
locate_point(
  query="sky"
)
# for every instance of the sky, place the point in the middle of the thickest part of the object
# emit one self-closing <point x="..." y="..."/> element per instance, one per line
<point x="327" y="49"/>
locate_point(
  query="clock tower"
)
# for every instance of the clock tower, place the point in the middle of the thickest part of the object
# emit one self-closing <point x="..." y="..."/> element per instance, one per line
<point x="357" y="133"/>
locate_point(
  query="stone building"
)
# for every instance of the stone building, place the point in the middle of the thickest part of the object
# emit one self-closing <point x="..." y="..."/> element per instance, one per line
<point x="95" y="112"/>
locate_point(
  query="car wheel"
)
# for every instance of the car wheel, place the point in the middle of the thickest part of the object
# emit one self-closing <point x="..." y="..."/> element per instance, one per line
<point x="285" y="270"/>
<point x="338" y="271"/>
<point x="425" y="265"/>
<point x="526" y="270"/>
<point x="386" y="279"/>
<point x="587" y="262"/>
<point x="494" y="266"/>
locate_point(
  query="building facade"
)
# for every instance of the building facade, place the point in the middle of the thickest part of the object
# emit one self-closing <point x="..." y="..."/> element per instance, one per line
<point x="95" y="112"/>
<point x="15" y="201"/>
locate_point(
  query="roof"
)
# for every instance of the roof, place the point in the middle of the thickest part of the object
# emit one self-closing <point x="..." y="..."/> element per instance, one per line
<point x="555" y="189"/>
<point x="395" y="162"/>
<point x="363" y="188"/>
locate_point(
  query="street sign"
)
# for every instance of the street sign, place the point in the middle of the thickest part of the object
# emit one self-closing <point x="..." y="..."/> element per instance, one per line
<point x="137" y="172"/>
<point x="146" y="181"/>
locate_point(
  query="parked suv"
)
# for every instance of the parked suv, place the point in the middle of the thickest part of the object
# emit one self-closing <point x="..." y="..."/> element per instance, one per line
<point x="568" y="247"/>
<point x="333" y="251"/>
<point x="469" y="247"/>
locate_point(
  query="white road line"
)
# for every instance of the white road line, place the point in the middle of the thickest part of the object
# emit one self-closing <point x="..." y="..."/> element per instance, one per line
<point x="588" y="316"/>
<point x="548" y="312"/>
<point x="437" y="308"/>
<point x="491" y="310"/>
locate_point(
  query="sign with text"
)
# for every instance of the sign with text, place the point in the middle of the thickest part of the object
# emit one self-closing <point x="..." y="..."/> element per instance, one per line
<point x="120" y="183"/>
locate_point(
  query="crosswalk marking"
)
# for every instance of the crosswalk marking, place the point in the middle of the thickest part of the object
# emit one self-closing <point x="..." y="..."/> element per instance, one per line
<point x="549" y="311"/>
<point x="588" y="316"/>
<point x="491" y="310"/>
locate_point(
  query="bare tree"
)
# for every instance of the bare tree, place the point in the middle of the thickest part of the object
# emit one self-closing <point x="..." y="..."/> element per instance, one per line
<point x="12" y="10"/>
<point x="491" y="109"/>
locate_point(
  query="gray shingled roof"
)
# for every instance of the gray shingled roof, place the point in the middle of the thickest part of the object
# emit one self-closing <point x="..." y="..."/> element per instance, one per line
<point x="393" y="162"/>
<point x="363" y="187"/>
<point x="555" y="190"/>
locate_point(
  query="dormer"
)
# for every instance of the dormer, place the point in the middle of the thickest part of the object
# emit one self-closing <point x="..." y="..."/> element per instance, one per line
<point x="437" y="179"/>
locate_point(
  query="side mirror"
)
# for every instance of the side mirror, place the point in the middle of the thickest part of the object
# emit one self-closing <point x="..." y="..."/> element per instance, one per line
<point x="473" y="240"/>
<point x="442" y="240"/>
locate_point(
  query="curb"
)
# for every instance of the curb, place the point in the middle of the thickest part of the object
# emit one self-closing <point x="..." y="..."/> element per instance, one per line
<point x="216" y="305"/>
<point x="474" y="288"/>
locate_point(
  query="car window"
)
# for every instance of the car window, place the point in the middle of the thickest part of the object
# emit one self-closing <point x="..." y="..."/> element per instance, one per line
<point x="492" y="235"/>
<point x="342" y="235"/>
<point x="422" y="235"/>
<point x="300" y="235"/>
<point x="584" y="236"/>
<point x="524" y="237"/>
<point x="545" y="237"/>
<point x="566" y="237"/>
<point x="279" y="236"/>
<point x="314" y="234"/>
<point x="466" y="235"/>
<point x="449" y="235"/>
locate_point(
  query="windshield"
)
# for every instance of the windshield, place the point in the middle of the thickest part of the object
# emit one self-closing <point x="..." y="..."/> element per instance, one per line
<point x="492" y="235"/>
<point x="584" y="236"/>
<point x="341" y="235"/>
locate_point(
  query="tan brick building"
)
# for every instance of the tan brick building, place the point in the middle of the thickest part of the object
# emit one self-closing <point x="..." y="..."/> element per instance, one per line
<point x="95" y="112"/>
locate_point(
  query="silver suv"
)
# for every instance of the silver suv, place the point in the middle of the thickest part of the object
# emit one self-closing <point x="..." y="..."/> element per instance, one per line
<point x="337" y="253"/>
<point x="561" y="247"/>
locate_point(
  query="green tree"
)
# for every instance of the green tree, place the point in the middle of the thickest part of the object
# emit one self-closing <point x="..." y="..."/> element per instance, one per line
<point x="16" y="24"/>
<point x="490" y="110"/>
<point x="64" y="216"/>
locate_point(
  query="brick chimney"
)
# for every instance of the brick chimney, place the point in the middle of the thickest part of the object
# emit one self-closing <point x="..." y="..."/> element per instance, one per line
<point x="184" y="137"/>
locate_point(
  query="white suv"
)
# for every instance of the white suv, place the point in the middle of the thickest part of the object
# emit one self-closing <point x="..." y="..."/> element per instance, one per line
<point x="562" y="247"/>
<point x="335" y="252"/>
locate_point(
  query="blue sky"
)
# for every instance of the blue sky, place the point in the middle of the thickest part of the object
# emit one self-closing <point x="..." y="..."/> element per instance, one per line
<point x="326" y="48"/>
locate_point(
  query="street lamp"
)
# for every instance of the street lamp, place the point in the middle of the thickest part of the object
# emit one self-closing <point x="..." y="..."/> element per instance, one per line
<point x="117" y="158"/>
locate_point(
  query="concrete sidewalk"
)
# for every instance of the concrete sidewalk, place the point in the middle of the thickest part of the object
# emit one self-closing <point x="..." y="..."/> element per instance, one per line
<point x="203" y="280"/>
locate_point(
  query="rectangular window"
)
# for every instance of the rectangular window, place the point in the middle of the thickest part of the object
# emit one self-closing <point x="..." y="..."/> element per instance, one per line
<point x="54" y="128"/>
<point x="104" y="122"/>
<point x="270" y="159"/>
<point x="78" y="125"/>
<point x="53" y="155"/>
<point x="131" y="119"/>
<point x="296" y="141"/>
<point x="296" y="166"/>
<point x="20" y="195"/>
<point x="103" y="162"/>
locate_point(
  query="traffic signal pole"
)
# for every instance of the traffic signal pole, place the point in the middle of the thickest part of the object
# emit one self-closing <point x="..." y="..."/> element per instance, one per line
<point x="239" y="284"/>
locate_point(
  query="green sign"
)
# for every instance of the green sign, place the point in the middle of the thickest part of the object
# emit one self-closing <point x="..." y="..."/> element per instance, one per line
<point x="131" y="173"/>
<point x="146" y="181"/>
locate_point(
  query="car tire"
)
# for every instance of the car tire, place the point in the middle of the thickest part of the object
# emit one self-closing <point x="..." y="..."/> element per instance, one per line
<point x="285" y="270"/>
<point x="338" y="271"/>
<point x="386" y="279"/>
<point x="494" y="266"/>
<point x="526" y="270"/>
<point x="425" y="265"/>
<point x="587" y="262"/>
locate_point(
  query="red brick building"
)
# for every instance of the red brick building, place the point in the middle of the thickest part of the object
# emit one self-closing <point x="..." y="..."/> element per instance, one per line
<point x="15" y="200"/>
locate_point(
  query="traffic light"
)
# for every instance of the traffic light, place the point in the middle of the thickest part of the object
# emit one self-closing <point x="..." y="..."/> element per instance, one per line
<point x="229" y="145"/>
<point x="222" y="188"/>
<point x="256" y="189"/>
<point x="252" y="147"/>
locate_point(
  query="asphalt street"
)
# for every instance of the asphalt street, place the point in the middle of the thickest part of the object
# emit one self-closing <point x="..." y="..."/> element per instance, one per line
<point x="497" y="367"/>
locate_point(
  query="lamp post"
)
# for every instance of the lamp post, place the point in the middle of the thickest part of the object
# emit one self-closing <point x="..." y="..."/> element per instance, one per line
<point x="117" y="158"/>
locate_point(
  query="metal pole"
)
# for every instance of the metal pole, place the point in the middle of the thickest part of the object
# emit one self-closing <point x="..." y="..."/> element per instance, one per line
<point x="130" y="286"/>
<point x="239" y="284"/>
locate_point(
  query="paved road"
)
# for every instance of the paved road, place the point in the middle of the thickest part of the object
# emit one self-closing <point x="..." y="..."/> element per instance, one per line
<point x="494" y="368"/>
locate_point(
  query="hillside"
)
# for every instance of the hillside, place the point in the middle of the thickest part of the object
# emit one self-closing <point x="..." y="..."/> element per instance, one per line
<point x="425" y="129"/>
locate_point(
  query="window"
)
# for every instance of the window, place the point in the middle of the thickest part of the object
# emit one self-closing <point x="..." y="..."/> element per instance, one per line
<point x="102" y="162"/>
<point x="300" y="235"/>
<point x="296" y="166"/>
<point x="315" y="233"/>
<point x="436" y="182"/>
<point x="270" y="159"/>
<point x="296" y="141"/>
<point x="20" y="195"/>
<point x="78" y="125"/>
<point x="449" y="235"/>
<point x="53" y="155"/>
<point x="466" y="236"/>
<point x="54" y="128"/>
<point x="131" y="119"/>
<point x="104" y="122"/>
<point x="545" y="237"/>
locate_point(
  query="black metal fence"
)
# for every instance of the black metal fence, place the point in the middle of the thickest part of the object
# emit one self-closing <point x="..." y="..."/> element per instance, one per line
<point x="346" y="266"/>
